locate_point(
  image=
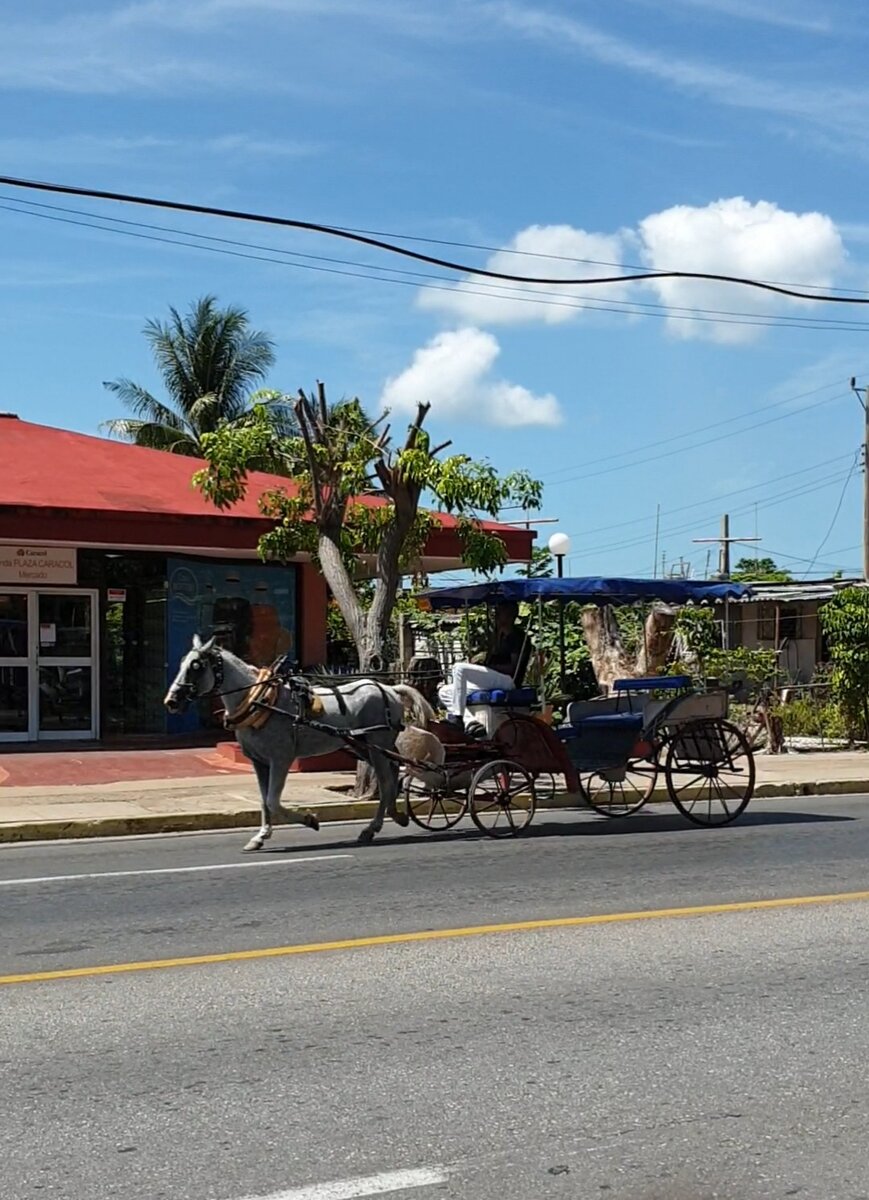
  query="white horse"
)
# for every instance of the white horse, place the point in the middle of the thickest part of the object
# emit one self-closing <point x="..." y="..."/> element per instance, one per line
<point x="372" y="712"/>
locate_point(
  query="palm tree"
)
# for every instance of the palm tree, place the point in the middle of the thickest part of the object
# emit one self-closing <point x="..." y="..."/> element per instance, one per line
<point x="210" y="360"/>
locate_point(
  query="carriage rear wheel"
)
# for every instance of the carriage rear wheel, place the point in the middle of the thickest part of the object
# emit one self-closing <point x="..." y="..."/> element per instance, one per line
<point x="710" y="772"/>
<point x="502" y="798"/>
<point x="432" y="809"/>
<point x="621" y="792"/>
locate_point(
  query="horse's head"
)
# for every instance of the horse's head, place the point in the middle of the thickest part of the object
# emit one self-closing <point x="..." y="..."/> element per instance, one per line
<point x="200" y="673"/>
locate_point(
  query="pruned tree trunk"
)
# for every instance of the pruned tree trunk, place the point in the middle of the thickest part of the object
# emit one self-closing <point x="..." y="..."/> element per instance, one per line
<point x="660" y="628"/>
<point x="610" y="659"/>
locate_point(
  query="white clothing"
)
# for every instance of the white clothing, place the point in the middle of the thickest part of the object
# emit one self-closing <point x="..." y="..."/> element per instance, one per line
<point x="469" y="677"/>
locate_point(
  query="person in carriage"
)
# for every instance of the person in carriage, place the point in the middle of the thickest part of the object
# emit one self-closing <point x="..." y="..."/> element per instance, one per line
<point x="497" y="668"/>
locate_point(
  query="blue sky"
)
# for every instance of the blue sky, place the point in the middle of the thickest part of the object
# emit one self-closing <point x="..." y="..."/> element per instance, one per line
<point x="717" y="135"/>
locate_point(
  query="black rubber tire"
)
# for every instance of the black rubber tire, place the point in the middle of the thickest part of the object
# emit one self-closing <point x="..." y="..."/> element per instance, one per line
<point x="502" y="798"/>
<point x="714" y="759"/>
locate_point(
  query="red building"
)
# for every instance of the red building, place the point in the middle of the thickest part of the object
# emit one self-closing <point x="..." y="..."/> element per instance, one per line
<point x="110" y="560"/>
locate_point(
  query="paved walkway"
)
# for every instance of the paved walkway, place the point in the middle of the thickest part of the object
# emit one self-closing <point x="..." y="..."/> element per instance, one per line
<point x="222" y="795"/>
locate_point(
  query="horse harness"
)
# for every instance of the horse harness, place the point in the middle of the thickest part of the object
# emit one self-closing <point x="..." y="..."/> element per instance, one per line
<point x="260" y="700"/>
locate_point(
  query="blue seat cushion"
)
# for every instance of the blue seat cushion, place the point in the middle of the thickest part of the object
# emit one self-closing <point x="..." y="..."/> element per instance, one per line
<point x="622" y="720"/>
<point x="656" y="683"/>
<point x="504" y="697"/>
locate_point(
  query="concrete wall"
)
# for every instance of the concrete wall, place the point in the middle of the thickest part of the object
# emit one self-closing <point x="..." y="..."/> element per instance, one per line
<point x="753" y="626"/>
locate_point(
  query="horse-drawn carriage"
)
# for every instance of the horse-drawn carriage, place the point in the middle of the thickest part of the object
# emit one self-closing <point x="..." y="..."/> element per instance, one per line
<point x="610" y="751"/>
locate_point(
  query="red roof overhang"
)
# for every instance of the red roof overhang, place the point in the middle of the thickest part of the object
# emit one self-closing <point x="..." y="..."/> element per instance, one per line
<point x="70" y="488"/>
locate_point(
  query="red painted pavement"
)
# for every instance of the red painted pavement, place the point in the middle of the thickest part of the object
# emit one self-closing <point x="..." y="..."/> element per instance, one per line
<point x="56" y="768"/>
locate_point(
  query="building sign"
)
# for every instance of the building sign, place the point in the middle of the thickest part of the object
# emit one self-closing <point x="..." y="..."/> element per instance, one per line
<point x="38" y="564"/>
<point x="116" y="595"/>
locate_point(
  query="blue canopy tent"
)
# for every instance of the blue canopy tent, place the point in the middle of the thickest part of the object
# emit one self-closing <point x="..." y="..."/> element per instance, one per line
<point x="587" y="590"/>
<point x="597" y="590"/>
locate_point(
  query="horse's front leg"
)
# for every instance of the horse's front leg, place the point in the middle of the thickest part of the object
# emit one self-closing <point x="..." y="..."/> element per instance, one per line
<point x="277" y="811"/>
<point x="265" y="830"/>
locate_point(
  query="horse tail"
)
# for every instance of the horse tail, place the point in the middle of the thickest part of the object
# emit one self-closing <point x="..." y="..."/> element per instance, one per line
<point x="415" y="705"/>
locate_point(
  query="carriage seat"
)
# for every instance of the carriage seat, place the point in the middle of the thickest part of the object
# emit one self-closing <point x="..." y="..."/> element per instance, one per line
<point x="522" y="697"/>
<point x="654" y="683"/>
<point x="604" y="723"/>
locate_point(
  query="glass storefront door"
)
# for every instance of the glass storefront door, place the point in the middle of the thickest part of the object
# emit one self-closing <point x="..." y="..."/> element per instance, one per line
<point x="14" y="667"/>
<point x="48" y="665"/>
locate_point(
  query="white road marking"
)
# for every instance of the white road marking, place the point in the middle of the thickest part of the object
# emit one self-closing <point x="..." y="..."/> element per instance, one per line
<point x="287" y="861"/>
<point x="368" y="1185"/>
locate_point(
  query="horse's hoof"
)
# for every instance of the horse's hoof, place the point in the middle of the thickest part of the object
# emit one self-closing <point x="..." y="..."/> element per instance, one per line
<point x="366" y="836"/>
<point x="253" y="844"/>
<point x="312" y="821"/>
<point x="401" y="818"/>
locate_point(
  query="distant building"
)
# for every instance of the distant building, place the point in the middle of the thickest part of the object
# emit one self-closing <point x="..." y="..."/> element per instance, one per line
<point x="784" y="617"/>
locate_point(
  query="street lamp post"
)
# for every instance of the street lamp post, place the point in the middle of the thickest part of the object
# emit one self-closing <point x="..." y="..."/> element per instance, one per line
<point x="559" y="548"/>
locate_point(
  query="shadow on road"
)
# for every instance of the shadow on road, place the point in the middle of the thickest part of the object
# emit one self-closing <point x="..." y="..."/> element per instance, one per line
<point x="584" y="824"/>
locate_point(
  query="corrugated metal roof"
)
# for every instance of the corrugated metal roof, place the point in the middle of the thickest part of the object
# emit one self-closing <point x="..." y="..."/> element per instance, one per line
<point x="792" y="593"/>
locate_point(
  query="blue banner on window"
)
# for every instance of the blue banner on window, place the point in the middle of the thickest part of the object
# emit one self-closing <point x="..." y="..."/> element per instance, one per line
<point x="249" y="607"/>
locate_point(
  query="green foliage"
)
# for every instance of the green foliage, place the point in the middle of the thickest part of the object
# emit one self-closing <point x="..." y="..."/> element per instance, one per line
<point x="813" y="717"/>
<point x="209" y="361"/>
<point x="542" y="623"/>
<point x="697" y="635"/>
<point x="354" y="493"/>
<point x="759" y="570"/>
<point x="845" y="622"/>
<point x="540" y="567"/>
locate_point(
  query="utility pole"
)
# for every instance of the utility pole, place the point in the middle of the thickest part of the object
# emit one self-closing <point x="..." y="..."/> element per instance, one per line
<point x="725" y="541"/>
<point x="864" y="404"/>
<point x="657" y="536"/>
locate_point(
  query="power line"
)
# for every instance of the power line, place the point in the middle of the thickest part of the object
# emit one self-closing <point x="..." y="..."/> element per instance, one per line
<point x="837" y="511"/>
<point x="621" y="308"/>
<point x="583" y="474"/>
<point x="705" y="428"/>
<point x="592" y="262"/>
<point x="497" y="291"/>
<point x="717" y="499"/>
<point x="769" y="502"/>
<point x="392" y="248"/>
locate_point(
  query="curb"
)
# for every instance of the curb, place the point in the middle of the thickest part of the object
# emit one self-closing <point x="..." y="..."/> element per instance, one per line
<point x="350" y="810"/>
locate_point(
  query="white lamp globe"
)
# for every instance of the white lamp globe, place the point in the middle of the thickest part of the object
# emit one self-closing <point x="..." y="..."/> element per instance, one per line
<point x="559" y="545"/>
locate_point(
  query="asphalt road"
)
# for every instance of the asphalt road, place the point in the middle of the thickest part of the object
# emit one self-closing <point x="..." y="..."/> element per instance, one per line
<point x="717" y="1055"/>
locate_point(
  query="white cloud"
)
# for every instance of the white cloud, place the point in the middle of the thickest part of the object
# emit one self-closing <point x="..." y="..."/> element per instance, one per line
<point x="836" y="108"/>
<point x="764" y="13"/>
<point x="453" y="372"/>
<point x="553" y="251"/>
<point x="734" y="237"/>
<point x="730" y="236"/>
<point x="74" y="149"/>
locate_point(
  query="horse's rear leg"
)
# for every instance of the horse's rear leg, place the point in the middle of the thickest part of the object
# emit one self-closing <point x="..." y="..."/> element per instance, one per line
<point x="387" y="789"/>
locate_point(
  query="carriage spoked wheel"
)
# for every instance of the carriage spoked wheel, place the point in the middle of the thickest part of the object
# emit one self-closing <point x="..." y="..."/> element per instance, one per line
<point x="502" y="798"/>
<point x="432" y="809"/>
<point x="622" y="791"/>
<point x="710" y="772"/>
<point x="545" y="787"/>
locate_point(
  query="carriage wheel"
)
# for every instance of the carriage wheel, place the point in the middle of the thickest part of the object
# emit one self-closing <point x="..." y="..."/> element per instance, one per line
<point x="545" y="788"/>
<point x="432" y="809"/>
<point x="615" y="797"/>
<point x="710" y="772"/>
<point x="502" y="798"/>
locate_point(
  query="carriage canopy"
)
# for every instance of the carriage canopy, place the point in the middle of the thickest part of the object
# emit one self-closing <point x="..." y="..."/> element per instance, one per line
<point x="587" y="590"/>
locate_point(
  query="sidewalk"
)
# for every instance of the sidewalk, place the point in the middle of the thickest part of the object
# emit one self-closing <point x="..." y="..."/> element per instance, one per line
<point x="225" y="796"/>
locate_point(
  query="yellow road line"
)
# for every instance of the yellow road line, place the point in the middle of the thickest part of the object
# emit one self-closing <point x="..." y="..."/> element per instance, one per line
<point x="436" y="935"/>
